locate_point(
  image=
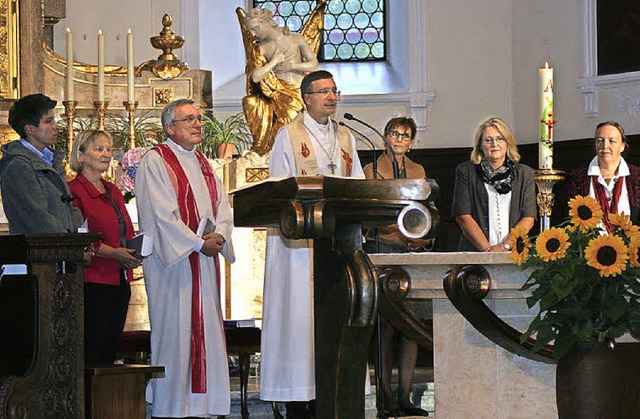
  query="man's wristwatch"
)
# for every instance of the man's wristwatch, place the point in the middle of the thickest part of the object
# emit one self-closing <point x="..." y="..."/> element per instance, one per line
<point x="506" y="246"/>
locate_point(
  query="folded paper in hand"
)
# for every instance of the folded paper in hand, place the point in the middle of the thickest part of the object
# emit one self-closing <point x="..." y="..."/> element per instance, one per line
<point x="235" y="324"/>
<point x="206" y="226"/>
<point x="141" y="244"/>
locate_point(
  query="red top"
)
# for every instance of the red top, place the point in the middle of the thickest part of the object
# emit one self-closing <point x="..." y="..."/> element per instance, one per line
<point x="97" y="208"/>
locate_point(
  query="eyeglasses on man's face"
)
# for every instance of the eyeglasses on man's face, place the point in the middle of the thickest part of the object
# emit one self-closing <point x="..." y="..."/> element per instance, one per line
<point x="491" y="140"/>
<point x="404" y="136"/>
<point x="325" y="92"/>
<point x="190" y="120"/>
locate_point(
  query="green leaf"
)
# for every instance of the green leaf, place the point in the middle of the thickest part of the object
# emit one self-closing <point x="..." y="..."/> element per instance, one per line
<point x="563" y="285"/>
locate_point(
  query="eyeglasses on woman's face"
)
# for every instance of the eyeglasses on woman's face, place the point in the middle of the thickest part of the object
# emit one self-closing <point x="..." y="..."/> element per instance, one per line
<point x="404" y="136"/>
<point x="491" y="140"/>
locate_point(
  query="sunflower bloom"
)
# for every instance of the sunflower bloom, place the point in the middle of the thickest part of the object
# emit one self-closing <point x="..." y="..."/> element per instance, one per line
<point x="634" y="252"/>
<point x="585" y="212"/>
<point x="521" y="245"/>
<point x="608" y="254"/>
<point x="552" y="244"/>
<point x="623" y="222"/>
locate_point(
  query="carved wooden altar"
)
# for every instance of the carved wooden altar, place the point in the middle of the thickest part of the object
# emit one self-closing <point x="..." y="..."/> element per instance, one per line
<point x="332" y="211"/>
<point x="41" y="356"/>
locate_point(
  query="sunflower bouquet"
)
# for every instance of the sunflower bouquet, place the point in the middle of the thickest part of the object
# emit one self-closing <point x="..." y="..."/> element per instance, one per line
<point x="584" y="280"/>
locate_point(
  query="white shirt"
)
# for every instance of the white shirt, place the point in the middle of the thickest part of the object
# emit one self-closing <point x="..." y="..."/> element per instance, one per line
<point x="624" y="207"/>
<point x="499" y="205"/>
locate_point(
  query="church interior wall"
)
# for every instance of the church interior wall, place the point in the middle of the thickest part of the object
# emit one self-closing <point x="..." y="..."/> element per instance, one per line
<point x="469" y="68"/>
<point x="549" y="31"/>
<point x="482" y="60"/>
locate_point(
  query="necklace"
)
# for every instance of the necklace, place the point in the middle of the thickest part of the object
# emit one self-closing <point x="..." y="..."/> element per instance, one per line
<point x="332" y="166"/>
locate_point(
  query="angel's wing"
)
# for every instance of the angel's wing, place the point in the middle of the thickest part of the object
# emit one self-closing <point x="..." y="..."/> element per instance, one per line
<point x="314" y="26"/>
<point x="247" y="38"/>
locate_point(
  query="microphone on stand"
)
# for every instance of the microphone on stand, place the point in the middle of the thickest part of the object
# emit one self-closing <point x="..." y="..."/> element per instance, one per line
<point x="373" y="147"/>
<point x="394" y="164"/>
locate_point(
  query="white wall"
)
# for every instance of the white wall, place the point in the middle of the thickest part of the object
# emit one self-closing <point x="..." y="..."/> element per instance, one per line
<point x="114" y="17"/>
<point x="482" y="61"/>
<point x="469" y="46"/>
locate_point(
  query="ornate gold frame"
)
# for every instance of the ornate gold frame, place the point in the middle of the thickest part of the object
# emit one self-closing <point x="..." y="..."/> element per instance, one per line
<point x="9" y="47"/>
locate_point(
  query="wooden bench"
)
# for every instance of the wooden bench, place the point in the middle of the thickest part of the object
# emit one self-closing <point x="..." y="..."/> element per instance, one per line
<point x="117" y="391"/>
<point x="244" y="341"/>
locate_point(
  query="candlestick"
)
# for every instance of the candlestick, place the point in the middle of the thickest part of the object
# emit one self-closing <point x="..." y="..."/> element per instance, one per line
<point x="545" y="145"/>
<point x="130" y="69"/>
<point x="70" y="115"/>
<point x="100" y="66"/>
<point x="545" y="179"/>
<point x="131" y="110"/>
<point x="101" y="107"/>
<point x="69" y="87"/>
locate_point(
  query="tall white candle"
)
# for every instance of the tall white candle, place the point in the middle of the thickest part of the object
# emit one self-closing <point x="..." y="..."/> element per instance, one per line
<point x="130" y="69"/>
<point x="69" y="88"/>
<point x="545" y="145"/>
<point x="100" y="66"/>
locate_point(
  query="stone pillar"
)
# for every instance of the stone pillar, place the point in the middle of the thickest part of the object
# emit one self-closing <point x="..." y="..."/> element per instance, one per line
<point x="31" y="51"/>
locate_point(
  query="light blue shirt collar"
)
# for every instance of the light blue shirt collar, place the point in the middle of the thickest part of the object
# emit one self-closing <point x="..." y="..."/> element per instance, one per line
<point x="46" y="156"/>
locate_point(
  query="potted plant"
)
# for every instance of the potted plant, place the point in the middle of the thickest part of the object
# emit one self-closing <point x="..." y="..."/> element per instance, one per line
<point x="219" y="138"/>
<point x="148" y="130"/>
<point x="585" y="283"/>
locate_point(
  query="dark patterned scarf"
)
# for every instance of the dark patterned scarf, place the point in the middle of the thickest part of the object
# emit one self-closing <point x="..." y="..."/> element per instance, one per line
<point x="499" y="178"/>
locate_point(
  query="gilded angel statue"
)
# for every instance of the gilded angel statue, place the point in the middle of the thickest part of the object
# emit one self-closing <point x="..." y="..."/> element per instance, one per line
<point x="277" y="60"/>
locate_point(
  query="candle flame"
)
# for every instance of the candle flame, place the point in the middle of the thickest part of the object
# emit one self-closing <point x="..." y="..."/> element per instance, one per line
<point x="129" y="31"/>
<point x="99" y="31"/>
<point x="68" y="30"/>
<point x="546" y="64"/>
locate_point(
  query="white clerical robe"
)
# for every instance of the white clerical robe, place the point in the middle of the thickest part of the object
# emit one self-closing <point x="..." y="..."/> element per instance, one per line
<point x="287" y="371"/>
<point x="167" y="275"/>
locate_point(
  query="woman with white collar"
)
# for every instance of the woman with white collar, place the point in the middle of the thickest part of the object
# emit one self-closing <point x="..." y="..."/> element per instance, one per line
<point x="609" y="178"/>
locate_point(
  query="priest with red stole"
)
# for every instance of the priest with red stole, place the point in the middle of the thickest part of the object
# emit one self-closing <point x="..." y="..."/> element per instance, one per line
<point x="178" y="193"/>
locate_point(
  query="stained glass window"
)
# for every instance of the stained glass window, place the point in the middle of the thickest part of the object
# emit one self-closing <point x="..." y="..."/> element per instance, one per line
<point x="353" y="29"/>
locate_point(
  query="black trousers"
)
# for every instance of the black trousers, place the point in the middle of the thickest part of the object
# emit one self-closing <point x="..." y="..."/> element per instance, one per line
<point x="105" y="312"/>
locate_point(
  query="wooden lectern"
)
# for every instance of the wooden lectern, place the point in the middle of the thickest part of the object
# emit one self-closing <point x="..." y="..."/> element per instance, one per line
<point x="333" y="211"/>
<point x="41" y="355"/>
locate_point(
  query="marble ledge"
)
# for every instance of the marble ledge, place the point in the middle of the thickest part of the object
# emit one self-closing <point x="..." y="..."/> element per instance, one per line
<point x="441" y="258"/>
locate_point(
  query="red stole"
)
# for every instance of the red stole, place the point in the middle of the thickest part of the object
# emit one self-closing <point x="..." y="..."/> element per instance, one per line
<point x="191" y="217"/>
<point x="601" y="197"/>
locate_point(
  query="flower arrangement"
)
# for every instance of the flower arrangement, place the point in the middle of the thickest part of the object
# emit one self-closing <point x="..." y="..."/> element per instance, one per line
<point x="130" y="163"/>
<point x="584" y="279"/>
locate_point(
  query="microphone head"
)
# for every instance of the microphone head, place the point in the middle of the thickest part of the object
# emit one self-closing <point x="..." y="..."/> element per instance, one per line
<point x="348" y="116"/>
<point x="342" y="123"/>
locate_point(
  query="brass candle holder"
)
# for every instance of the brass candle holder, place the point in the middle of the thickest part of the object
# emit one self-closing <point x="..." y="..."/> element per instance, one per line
<point x="131" y="110"/>
<point x="70" y="116"/>
<point x="101" y="107"/>
<point x="545" y="179"/>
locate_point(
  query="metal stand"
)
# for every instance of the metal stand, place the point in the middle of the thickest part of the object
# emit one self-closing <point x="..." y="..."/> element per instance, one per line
<point x="101" y="108"/>
<point x="131" y="110"/>
<point x="545" y="179"/>
<point x="70" y="116"/>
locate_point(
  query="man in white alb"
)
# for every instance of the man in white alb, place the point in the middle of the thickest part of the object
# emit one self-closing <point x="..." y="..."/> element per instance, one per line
<point x="312" y="144"/>
<point x="177" y="191"/>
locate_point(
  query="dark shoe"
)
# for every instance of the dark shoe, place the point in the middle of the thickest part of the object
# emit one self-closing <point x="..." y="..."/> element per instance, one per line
<point x="393" y="413"/>
<point x="297" y="410"/>
<point x="415" y="411"/>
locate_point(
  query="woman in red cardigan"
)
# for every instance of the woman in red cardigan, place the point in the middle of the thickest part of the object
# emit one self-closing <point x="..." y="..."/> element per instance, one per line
<point x="609" y="178"/>
<point x="106" y="280"/>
